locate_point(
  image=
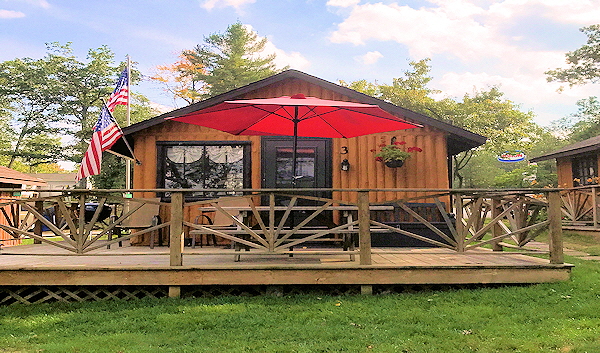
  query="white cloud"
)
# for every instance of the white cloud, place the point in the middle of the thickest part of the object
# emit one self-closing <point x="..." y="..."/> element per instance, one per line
<point x="294" y="60"/>
<point x="342" y="3"/>
<point x="370" y="58"/>
<point x="474" y="34"/>
<point x="41" y="3"/>
<point x="426" y="31"/>
<point x="528" y="90"/>
<point x="11" y="14"/>
<point x="160" y="108"/>
<point x="211" y="4"/>
<point x="580" y="12"/>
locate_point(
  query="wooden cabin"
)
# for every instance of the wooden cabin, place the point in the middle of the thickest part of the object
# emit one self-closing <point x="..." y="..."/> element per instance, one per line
<point x="261" y="161"/>
<point x="577" y="164"/>
<point x="9" y="215"/>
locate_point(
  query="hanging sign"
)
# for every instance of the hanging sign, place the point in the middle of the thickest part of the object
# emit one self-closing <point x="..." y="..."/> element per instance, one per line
<point x="511" y="156"/>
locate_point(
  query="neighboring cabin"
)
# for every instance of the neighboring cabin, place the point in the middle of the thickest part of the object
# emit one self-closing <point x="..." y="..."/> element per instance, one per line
<point x="12" y="179"/>
<point x="576" y="164"/>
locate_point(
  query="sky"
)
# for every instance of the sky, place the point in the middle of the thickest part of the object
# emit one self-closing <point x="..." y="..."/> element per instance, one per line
<point x="473" y="44"/>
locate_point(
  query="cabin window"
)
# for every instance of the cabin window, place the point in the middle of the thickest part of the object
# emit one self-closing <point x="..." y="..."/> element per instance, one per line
<point x="204" y="165"/>
<point x="585" y="170"/>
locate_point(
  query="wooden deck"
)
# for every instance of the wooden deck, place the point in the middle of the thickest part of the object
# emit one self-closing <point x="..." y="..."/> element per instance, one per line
<point x="44" y="265"/>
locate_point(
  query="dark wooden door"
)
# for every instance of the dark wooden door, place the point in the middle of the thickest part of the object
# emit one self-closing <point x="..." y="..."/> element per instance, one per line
<point x="313" y="162"/>
<point x="313" y="168"/>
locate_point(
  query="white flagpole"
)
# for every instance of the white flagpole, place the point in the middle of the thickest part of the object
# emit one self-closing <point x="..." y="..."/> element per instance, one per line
<point x="128" y="162"/>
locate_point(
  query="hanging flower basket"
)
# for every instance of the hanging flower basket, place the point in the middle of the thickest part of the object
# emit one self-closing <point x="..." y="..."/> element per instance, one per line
<point x="394" y="154"/>
<point x="396" y="163"/>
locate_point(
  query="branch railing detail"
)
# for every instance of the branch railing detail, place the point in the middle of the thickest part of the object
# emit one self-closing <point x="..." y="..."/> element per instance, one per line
<point x="580" y="207"/>
<point x="65" y="217"/>
<point x="274" y="221"/>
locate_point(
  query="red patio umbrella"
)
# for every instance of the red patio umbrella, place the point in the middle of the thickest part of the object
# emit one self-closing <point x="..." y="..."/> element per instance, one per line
<point x="296" y="116"/>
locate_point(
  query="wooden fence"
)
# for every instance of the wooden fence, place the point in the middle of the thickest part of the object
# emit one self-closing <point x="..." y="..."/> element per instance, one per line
<point x="277" y="220"/>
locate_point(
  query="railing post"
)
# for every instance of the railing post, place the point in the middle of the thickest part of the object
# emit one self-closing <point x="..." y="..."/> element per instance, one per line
<point x="460" y="229"/>
<point x="496" y="229"/>
<point x="364" y="227"/>
<point x="595" y="204"/>
<point x="37" y="229"/>
<point x="176" y="230"/>
<point x="555" y="228"/>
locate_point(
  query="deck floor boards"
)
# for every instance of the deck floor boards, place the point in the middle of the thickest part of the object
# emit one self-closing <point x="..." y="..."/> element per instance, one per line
<point x="42" y="264"/>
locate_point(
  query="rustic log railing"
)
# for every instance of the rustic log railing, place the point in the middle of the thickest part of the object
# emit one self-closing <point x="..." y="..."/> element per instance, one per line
<point x="276" y="220"/>
<point x="580" y="208"/>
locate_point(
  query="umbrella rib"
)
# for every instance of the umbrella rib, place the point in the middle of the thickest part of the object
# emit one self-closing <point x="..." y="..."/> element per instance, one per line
<point x="325" y="121"/>
<point x="264" y="117"/>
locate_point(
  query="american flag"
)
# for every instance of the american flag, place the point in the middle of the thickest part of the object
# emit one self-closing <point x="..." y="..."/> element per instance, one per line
<point x="120" y="94"/>
<point x="106" y="131"/>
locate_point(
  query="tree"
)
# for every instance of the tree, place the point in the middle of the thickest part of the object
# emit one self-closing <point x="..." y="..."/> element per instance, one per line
<point x="484" y="112"/>
<point x="410" y="92"/>
<point x="45" y="100"/>
<point x="230" y="60"/>
<point x="180" y="79"/>
<point x="585" y="123"/>
<point x="584" y="67"/>
<point x="584" y="62"/>
<point x="32" y="98"/>
<point x="85" y="85"/>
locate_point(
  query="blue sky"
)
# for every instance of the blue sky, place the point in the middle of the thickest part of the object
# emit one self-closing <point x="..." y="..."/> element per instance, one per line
<point x="473" y="44"/>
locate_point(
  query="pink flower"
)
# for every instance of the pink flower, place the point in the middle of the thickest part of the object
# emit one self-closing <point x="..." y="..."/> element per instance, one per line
<point x="379" y="159"/>
<point x="373" y="150"/>
<point x="382" y="145"/>
<point x="400" y="143"/>
<point x="414" y="149"/>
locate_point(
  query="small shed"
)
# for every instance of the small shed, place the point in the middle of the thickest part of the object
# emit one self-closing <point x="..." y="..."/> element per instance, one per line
<point x="9" y="214"/>
<point x="576" y="164"/>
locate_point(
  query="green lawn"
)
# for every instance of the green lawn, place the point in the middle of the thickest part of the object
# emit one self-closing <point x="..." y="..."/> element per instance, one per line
<point x="560" y="317"/>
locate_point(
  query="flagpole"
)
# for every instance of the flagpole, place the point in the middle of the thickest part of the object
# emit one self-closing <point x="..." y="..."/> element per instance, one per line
<point x="128" y="162"/>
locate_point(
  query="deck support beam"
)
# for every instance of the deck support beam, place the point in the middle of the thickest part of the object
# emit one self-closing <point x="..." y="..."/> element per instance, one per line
<point x="366" y="289"/>
<point x="174" y="291"/>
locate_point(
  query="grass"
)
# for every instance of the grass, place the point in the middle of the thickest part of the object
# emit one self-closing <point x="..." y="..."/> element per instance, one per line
<point x="577" y="241"/>
<point x="558" y="317"/>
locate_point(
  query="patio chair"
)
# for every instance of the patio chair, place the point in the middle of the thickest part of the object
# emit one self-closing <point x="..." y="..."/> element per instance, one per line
<point x="219" y="220"/>
<point x="145" y="217"/>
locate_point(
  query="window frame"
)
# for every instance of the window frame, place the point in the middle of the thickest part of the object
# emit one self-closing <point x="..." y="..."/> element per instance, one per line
<point x="579" y="163"/>
<point x="161" y="156"/>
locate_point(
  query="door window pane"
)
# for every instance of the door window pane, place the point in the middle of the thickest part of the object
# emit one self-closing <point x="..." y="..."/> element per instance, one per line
<point x="305" y="167"/>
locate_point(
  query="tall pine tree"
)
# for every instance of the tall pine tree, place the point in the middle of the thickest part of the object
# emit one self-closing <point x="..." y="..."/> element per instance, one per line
<point x="231" y="60"/>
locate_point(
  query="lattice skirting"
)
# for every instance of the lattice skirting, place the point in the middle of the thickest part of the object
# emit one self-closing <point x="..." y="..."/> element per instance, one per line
<point x="36" y="294"/>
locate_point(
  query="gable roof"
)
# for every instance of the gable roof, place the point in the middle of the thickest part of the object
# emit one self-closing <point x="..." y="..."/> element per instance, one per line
<point x="11" y="176"/>
<point x="589" y="145"/>
<point x="458" y="139"/>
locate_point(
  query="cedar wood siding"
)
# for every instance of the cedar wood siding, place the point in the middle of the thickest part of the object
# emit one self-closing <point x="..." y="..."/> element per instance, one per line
<point x="565" y="172"/>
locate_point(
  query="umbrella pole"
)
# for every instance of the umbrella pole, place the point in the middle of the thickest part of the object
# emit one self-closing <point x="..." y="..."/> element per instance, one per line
<point x="295" y="147"/>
